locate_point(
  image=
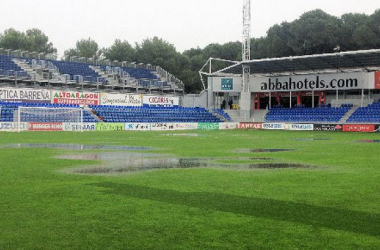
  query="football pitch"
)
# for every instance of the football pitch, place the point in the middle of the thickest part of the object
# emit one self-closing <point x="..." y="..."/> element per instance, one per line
<point x="240" y="189"/>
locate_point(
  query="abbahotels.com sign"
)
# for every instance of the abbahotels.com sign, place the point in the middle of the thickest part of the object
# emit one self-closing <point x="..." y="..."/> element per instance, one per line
<point x="320" y="82"/>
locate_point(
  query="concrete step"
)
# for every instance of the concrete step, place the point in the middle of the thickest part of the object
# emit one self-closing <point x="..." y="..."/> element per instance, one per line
<point x="348" y="114"/>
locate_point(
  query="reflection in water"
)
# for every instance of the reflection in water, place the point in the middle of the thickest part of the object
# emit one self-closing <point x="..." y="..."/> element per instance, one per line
<point x="262" y="150"/>
<point x="122" y="162"/>
<point x="73" y="146"/>
<point x="369" y="141"/>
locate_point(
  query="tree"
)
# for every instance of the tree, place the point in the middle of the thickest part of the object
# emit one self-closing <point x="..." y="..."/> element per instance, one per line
<point x="120" y="51"/>
<point x="84" y="48"/>
<point x="32" y="40"/>
<point x="159" y="52"/>
<point x="38" y="41"/>
<point x="315" y="32"/>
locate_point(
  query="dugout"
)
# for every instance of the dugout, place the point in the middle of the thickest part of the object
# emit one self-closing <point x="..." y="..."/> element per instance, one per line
<point x="311" y="81"/>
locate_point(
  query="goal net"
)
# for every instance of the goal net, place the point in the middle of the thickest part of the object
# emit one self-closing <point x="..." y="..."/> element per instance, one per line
<point x="49" y="115"/>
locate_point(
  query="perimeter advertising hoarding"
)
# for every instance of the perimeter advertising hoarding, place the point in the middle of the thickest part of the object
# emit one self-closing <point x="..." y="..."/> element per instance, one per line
<point x="13" y="126"/>
<point x="160" y="101"/>
<point x="45" y="126"/>
<point x="101" y="126"/>
<point x="185" y="126"/>
<point x="359" y="128"/>
<point x="274" y="126"/>
<point x="137" y="126"/>
<point x="250" y="125"/>
<point x="300" y="127"/>
<point x="328" y="127"/>
<point x="121" y="100"/>
<point x="25" y="95"/>
<point x="208" y="126"/>
<point x="77" y="126"/>
<point x="71" y="97"/>
<point x="228" y="125"/>
<point x="161" y="126"/>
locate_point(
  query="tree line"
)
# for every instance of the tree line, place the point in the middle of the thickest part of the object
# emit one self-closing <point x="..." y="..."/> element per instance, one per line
<point x="315" y="32"/>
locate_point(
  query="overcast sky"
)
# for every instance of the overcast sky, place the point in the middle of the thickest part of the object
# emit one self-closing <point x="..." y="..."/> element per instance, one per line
<point x="186" y="24"/>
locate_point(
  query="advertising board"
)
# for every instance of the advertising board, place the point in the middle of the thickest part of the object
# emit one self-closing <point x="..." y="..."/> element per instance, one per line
<point x="328" y="127"/>
<point x="250" y="125"/>
<point x="77" y="126"/>
<point x="300" y="127"/>
<point x="71" y="97"/>
<point x="120" y="100"/>
<point x="274" y="126"/>
<point x="208" y="126"/>
<point x="160" y="101"/>
<point x="45" y="126"/>
<point x="185" y="126"/>
<point x="161" y="126"/>
<point x="137" y="126"/>
<point x="359" y="128"/>
<point x="13" y="126"/>
<point x="25" y="95"/>
<point x="101" y="126"/>
<point x="228" y="125"/>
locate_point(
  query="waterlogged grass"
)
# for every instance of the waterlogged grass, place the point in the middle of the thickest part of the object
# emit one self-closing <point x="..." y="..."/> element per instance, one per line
<point x="332" y="205"/>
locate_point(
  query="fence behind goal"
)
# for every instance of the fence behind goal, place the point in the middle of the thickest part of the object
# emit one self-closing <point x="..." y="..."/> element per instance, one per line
<point x="49" y="115"/>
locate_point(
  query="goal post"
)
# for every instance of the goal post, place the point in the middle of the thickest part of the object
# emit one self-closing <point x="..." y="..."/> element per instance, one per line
<point x="49" y="115"/>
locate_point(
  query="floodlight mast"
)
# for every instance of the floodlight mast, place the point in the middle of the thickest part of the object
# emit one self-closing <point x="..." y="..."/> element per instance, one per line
<point x="246" y="44"/>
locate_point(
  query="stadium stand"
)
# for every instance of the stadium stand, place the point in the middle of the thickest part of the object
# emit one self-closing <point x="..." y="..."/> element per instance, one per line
<point x="302" y="114"/>
<point x="9" y="68"/>
<point x="109" y="113"/>
<point x="77" y="69"/>
<point x="153" y="114"/>
<point x="369" y="114"/>
<point x="223" y="114"/>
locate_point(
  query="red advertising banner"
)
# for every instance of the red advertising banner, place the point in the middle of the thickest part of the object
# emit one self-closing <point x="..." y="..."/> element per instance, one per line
<point x="45" y="126"/>
<point x="250" y="125"/>
<point x="359" y="128"/>
<point x="79" y="98"/>
<point x="377" y="80"/>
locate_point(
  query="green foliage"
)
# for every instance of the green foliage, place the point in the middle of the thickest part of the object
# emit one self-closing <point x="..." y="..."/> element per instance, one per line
<point x="120" y="51"/>
<point x="84" y="48"/>
<point x="33" y="40"/>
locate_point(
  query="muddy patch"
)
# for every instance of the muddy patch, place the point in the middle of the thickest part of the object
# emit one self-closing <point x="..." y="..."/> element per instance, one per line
<point x="263" y="150"/>
<point x="75" y="146"/>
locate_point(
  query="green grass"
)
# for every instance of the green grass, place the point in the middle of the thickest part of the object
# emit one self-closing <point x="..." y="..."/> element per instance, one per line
<point x="333" y="205"/>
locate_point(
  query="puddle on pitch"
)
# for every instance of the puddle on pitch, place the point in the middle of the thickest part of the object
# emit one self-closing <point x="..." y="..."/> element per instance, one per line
<point x="312" y="139"/>
<point x="74" y="146"/>
<point x="368" y="141"/>
<point x="183" y="135"/>
<point x="263" y="150"/>
<point x="114" y="163"/>
<point x="121" y="159"/>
